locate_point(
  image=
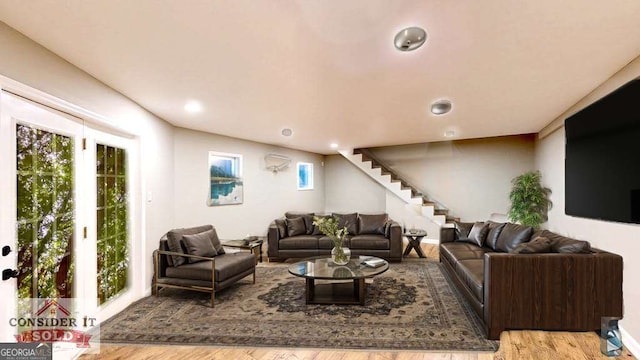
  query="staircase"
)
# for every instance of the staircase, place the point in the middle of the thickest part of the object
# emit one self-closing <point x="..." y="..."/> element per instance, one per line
<point x="410" y="194"/>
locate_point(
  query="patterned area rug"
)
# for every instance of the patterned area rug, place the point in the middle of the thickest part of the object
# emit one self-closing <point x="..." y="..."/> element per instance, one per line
<point x="412" y="306"/>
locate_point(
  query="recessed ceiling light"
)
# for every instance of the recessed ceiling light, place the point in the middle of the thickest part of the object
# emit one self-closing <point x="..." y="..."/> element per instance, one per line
<point x="286" y="132"/>
<point x="334" y="146"/>
<point x="410" y="38"/>
<point x="192" y="107"/>
<point x="441" y="107"/>
<point x="449" y="133"/>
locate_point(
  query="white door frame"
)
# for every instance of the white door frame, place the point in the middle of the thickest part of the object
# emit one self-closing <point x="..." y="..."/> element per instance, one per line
<point x="137" y="285"/>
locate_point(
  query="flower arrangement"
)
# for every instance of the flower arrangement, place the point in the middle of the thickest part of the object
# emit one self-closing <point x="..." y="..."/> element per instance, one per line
<point x="329" y="226"/>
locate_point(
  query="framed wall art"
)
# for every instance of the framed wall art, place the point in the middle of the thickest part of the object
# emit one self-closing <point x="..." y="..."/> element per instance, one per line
<point x="225" y="179"/>
<point x="305" y="176"/>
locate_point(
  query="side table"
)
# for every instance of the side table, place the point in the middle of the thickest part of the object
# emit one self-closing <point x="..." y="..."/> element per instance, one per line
<point x="255" y="246"/>
<point x="414" y="236"/>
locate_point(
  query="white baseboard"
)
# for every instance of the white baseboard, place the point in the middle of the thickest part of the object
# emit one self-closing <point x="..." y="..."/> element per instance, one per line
<point x="630" y="343"/>
<point x="430" y="241"/>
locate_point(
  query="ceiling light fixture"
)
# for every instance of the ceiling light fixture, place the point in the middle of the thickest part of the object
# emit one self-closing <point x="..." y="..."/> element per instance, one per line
<point x="449" y="133"/>
<point x="441" y="107"/>
<point x="334" y="146"/>
<point x="192" y="107"/>
<point x="410" y="38"/>
<point x="286" y="132"/>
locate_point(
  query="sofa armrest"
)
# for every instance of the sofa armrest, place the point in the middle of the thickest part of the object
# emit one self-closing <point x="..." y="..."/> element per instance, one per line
<point x="550" y="291"/>
<point x="273" y="236"/>
<point x="395" y="240"/>
<point x="447" y="234"/>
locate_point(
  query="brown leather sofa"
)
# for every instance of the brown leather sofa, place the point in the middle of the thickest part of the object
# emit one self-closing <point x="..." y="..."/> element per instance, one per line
<point x="516" y="278"/>
<point x="295" y="236"/>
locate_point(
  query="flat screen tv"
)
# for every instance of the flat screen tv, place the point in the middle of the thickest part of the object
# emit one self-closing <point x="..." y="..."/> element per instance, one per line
<point x="602" y="163"/>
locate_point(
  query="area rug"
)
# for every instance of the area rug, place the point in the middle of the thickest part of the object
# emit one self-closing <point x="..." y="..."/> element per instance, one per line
<point x="412" y="306"/>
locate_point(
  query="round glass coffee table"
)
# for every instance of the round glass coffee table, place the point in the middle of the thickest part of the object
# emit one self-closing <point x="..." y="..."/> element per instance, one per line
<point x="335" y="290"/>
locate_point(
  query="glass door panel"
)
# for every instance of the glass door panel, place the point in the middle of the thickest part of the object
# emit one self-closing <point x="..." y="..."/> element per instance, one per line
<point x="45" y="217"/>
<point x="112" y="221"/>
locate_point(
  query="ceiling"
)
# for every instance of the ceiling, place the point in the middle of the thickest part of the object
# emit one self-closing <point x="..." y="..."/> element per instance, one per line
<point x="328" y="69"/>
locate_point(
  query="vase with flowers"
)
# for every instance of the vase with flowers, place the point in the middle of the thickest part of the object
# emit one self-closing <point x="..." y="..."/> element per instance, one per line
<point x="340" y="254"/>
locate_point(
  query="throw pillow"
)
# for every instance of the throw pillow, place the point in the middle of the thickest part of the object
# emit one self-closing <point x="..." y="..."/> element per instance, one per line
<point x="494" y="232"/>
<point x="175" y="243"/>
<point x="538" y="245"/>
<point x="308" y="220"/>
<point x="513" y="235"/>
<point x="316" y="230"/>
<point x="478" y="233"/>
<point x="295" y="226"/>
<point x="567" y="245"/>
<point x="216" y="242"/>
<point x="281" y="225"/>
<point x="563" y="244"/>
<point x="372" y="224"/>
<point x="462" y="229"/>
<point x="348" y="220"/>
<point x="200" y="245"/>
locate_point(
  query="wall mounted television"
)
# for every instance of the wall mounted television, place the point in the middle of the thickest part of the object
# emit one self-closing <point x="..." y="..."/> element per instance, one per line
<point x="602" y="161"/>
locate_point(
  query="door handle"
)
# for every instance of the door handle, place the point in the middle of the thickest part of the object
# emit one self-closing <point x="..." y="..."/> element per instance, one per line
<point x="8" y="274"/>
<point x="6" y="250"/>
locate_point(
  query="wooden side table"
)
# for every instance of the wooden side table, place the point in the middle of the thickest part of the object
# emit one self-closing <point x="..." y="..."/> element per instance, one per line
<point x="414" y="237"/>
<point x="253" y="246"/>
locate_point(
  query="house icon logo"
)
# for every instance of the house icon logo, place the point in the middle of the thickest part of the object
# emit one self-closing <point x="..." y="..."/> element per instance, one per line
<point x="53" y="307"/>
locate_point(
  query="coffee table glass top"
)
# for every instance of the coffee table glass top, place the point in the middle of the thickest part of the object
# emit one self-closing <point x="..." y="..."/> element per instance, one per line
<point x="323" y="268"/>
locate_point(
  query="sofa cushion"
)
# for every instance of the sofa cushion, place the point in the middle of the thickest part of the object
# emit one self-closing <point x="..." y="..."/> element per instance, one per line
<point x="281" y="225"/>
<point x="369" y="242"/>
<point x="307" y="217"/>
<point x="462" y="229"/>
<point x="471" y="272"/>
<point x="455" y="251"/>
<point x="227" y="266"/>
<point x="478" y="233"/>
<point x="494" y="232"/>
<point x="200" y="245"/>
<point x="538" y="245"/>
<point x="175" y="243"/>
<point x="513" y="235"/>
<point x="348" y="220"/>
<point x="372" y="224"/>
<point x="325" y="242"/>
<point x="296" y="226"/>
<point x="298" y="242"/>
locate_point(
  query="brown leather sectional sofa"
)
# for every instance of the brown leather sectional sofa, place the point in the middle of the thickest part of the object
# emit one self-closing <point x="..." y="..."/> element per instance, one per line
<point x="516" y="278"/>
<point x="295" y="236"/>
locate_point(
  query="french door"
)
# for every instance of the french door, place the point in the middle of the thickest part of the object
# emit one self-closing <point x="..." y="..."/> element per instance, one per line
<point x="64" y="209"/>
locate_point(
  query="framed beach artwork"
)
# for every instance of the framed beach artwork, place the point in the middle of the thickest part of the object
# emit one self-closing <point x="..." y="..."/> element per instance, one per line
<point x="225" y="179"/>
<point x="305" y="176"/>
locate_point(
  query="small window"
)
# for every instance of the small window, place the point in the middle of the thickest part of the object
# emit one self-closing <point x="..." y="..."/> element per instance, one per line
<point x="305" y="176"/>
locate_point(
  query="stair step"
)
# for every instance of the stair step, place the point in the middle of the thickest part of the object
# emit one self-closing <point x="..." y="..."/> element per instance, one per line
<point x="416" y="194"/>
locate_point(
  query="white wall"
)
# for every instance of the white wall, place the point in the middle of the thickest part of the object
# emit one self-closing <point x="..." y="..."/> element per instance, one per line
<point x="472" y="178"/>
<point x="623" y="239"/>
<point x="267" y="196"/>
<point x="348" y="189"/>
<point x="27" y="62"/>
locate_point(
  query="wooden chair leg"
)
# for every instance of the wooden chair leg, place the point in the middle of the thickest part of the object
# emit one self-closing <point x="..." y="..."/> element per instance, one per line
<point x="254" y="275"/>
<point x="213" y="298"/>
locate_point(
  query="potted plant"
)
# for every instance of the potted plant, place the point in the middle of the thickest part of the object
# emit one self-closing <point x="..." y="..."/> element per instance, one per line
<point x="329" y="226"/>
<point x="529" y="200"/>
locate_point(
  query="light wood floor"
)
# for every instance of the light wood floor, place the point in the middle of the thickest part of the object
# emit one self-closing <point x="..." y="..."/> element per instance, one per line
<point x="513" y="345"/>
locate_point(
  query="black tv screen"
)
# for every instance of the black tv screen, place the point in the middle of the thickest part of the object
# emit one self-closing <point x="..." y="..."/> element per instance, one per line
<point x="602" y="163"/>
